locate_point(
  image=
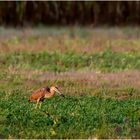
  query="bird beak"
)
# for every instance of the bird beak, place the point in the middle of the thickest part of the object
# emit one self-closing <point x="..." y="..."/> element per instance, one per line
<point x="61" y="94"/>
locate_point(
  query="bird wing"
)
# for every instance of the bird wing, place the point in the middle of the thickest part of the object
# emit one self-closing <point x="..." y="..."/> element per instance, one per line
<point x="39" y="93"/>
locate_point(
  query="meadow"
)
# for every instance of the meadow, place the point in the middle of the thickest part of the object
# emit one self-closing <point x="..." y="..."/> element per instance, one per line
<point x="96" y="68"/>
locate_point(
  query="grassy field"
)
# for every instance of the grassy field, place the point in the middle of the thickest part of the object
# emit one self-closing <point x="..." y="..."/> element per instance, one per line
<point x="97" y="70"/>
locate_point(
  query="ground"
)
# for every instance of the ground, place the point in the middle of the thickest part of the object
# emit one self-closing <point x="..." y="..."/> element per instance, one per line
<point x="96" y="68"/>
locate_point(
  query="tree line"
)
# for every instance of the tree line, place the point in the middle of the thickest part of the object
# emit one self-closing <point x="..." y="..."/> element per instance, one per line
<point x="69" y="12"/>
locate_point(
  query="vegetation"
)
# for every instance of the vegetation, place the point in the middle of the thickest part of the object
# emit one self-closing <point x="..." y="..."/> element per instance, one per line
<point x="101" y="87"/>
<point x="106" y="61"/>
<point x="60" y="13"/>
<point x="72" y="117"/>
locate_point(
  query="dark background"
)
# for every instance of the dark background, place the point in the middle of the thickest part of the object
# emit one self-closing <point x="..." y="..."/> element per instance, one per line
<point x="23" y="13"/>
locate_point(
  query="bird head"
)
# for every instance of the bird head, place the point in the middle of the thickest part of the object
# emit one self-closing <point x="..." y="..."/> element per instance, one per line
<point x="56" y="89"/>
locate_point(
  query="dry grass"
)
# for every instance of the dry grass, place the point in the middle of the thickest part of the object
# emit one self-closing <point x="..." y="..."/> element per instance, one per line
<point x="84" y="40"/>
<point x="95" y="79"/>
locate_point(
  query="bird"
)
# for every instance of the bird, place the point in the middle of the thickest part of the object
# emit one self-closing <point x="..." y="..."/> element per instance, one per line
<point x="43" y="93"/>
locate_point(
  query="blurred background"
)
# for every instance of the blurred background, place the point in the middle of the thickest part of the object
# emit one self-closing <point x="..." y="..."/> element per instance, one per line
<point x="68" y="13"/>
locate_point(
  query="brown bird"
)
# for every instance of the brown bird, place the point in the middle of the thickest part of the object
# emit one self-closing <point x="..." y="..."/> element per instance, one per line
<point x="44" y="92"/>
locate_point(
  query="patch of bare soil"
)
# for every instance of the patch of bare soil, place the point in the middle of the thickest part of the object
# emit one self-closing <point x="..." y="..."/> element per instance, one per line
<point x="119" y="79"/>
<point x="130" y="78"/>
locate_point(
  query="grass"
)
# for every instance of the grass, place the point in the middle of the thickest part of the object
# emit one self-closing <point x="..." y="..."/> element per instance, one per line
<point x="87" y="115"/>
<point x="101" y="84"/>
<point x="106" y="61"/>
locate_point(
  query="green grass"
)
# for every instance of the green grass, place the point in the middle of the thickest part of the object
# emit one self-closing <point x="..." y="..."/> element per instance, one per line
<point x="106" y="61"/>
<point x="69" y="117"/>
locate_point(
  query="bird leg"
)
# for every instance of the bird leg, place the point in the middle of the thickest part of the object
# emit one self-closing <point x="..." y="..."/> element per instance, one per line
<point x="37" y="103"/>
<point x="40" y="104"/>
